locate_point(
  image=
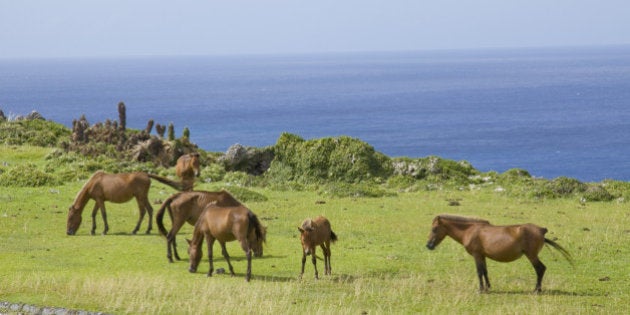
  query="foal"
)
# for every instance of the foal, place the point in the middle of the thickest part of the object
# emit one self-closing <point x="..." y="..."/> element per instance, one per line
<point x="315" y="232"/>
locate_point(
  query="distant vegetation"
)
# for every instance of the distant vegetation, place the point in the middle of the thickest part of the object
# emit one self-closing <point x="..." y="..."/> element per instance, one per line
<point x="335" y="166"/>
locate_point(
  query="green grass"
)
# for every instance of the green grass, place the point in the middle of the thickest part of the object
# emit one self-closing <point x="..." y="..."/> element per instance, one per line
<point x="379" y="265"/>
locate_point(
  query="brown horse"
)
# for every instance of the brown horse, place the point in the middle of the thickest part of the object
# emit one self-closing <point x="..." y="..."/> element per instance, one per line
<point x="226" y="224"/>
<point x="116" y="188"/>
<point x="500" y="243"/>
<point x="186" y="207"/>
<point x="315" y="232"/>
<point x="187" y="169"/>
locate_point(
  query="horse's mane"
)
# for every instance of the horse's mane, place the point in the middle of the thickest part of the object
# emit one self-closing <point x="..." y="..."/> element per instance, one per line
<point x="461" y="219"/>
<point x="81" y="194"/>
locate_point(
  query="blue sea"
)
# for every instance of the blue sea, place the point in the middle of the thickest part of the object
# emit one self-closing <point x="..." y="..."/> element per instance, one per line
<point x="554" y="111"/>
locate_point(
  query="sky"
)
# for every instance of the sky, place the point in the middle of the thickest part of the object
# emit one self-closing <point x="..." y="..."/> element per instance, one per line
<point x="96" y="28"/>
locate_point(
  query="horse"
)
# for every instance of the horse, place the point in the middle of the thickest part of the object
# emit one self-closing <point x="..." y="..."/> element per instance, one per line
<point x="116" y="188"/>
<point x="500" y="243"/>
<point x="226" y="224"/>
<point x="187" y="168"/>
<point x="186" y="207"/>
<point x="315" y="232"/>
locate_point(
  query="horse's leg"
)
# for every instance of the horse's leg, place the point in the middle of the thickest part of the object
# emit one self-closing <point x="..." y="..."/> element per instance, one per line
<point x="303" y="262"/>
<point x="314" y="260"/>
<point x="150" y="212"/>
<point x="94" y="211"/>
<point x="142" y="210"/>
<point x="482" y="273"/>
<point x="326" y="251"/>
<point x="210" y="241"/>
<point x="540" y="272"/>
<point x="248" y="253"/>
<point x="227" y="257"/>
<point x="170" y="237"/>
<point x="104" y="215"/>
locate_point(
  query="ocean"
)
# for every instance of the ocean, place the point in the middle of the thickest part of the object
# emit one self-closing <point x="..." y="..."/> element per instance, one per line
<point x="552" y="111"/>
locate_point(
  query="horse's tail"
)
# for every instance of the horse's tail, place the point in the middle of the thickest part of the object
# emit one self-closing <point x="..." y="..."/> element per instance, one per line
<point x="254" y="224"/>
<point x="166" y="181"/>
<point x="561" y="249"/>
<point x="333" y="236"/>
<point x="159" y="217"/>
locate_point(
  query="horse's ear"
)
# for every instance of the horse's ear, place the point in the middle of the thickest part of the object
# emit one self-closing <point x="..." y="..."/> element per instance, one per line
<point x="300" y="229"/>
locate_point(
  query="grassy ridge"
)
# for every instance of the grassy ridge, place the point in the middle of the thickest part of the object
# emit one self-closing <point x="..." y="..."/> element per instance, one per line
<point x="380" y="264"/>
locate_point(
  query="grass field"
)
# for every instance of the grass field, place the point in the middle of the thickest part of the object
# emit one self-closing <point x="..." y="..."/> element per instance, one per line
<point x="379" y="265"/>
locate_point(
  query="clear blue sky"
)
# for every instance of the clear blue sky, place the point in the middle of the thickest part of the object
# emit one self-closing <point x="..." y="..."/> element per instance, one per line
<point x="66" y="28"/>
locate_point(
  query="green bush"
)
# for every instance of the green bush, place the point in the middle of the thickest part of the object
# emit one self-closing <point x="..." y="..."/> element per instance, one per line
<point x="240" y="179"/>
<point x="213" y="173"/>
<point x="27" y="175"/>
<point x="435" y="169"/>
<point x="596" y="192"/>
<point x="342" y="190"/>
<point x="402" y="183"/>
<point x="35" y="132"/>
<point x="557" y="188"/>
<point x="328" y="159"/>
<point x="245" y="195"/>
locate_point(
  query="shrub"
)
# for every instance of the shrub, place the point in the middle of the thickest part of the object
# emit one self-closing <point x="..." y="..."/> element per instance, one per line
<point x="239" y="179"/>
<point x="557" y="188"/>
<point x="245" y="195"/>
<point x="213" y="173"/>
<point x="434" y="168"/>
<point x="328" y="159"/>
<point x="617" y="189"/>
<point x="596" y="192"/>
<point x="27" y="175"/>
<point x="342" y="189"/>
<point x="37" y="132"/>
<point x="402" y="183"/>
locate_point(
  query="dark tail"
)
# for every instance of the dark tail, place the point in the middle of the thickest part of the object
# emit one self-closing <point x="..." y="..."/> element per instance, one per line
<point x="255" y="225"/>
<point x="333" y="236"/>
<point x="159" y="217"/>
<point x="177" y="185"/>
<point x="561" y="249"/>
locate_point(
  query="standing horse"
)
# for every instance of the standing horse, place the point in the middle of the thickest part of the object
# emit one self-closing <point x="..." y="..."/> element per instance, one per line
<point x="116" y="188"/>
<point x="226" y="224"/>
<point x="186" y="207"/>
<point x="187" y="168"/>
<point x="315" y="232"/>
<point x="500" y="243"/>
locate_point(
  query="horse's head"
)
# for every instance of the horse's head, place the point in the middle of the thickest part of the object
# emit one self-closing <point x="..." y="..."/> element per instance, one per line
<point x="194" y="164"/>
<point x="74" y="220"/>
<point x="195" y="253"/>
<point x="305" y="235"/>
<point x="438" y="233"/>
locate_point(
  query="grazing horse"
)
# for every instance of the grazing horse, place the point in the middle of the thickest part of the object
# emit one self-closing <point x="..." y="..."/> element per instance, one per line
<point x="500" y="243"/>
<point x="116" y="188"/>
<point x="187" y="169"/>
<point x="185" y="207"/>
<point x="226" y="224"/>
<point x="315" y="232"/>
